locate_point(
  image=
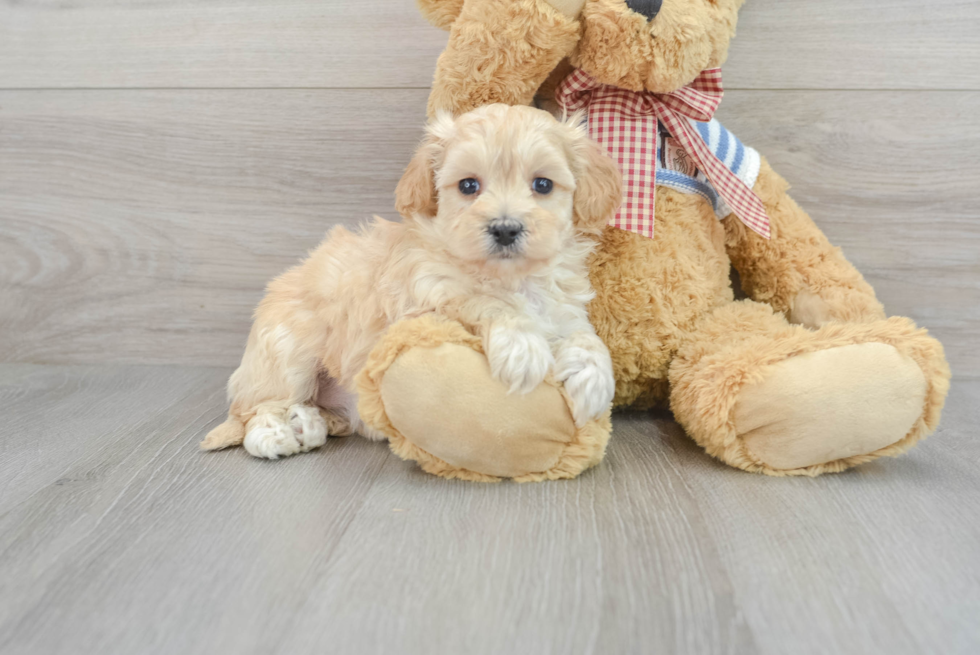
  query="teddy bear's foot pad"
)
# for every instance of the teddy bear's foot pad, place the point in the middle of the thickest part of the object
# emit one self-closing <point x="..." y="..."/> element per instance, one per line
<point x="447" y="402"/>
<point x="831" y="404"/>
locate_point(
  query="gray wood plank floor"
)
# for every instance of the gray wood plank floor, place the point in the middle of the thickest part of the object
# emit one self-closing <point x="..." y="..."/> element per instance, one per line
<point x="118" y="536"/>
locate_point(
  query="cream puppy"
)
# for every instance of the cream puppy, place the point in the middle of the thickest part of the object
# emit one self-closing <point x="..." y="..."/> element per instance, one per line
<point x="499" y="209"/>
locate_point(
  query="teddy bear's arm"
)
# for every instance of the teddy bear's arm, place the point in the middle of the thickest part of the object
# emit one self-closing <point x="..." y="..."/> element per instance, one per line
<point x="501" y="52"/>
<point x="797" y="271"/>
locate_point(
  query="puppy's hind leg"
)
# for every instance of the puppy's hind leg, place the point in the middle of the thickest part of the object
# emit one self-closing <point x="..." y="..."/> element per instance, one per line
<point x="272" y="391"/>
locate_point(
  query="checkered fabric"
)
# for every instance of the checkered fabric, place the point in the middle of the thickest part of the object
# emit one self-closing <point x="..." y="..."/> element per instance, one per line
<point x="625" y="123"/>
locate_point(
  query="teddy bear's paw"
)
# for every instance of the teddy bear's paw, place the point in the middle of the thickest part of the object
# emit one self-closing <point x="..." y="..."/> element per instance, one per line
<point x="809" y="310"/>
<point x="519" y="359"/>
<point x="584" y="367"/>
<point x="272" y="436"/>
<point x="837" y="304"/>
<point x="830" y="405"/>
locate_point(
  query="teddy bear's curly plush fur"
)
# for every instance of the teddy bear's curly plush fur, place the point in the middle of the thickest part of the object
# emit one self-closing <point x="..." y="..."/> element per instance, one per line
<point x="805" y="376"/>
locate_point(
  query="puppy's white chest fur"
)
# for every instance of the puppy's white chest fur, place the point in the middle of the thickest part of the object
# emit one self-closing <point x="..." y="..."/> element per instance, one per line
<point x="556" y="302"/>
<point x="539" y="306"/>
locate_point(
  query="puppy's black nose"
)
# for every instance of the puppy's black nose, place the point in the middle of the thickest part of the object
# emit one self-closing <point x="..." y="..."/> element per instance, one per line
<point x="505" y="232"/>
<point x="648" y="8"/>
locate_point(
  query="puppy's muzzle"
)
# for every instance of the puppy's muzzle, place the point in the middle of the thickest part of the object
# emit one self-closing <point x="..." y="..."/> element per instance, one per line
<point x="505" y="231"/>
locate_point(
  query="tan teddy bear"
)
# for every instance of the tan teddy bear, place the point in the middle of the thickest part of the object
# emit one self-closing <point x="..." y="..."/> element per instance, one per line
<point x="804" y="377"/>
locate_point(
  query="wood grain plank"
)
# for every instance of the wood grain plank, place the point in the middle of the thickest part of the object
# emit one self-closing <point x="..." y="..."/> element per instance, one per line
<point x="158" y="214"/>
<point x="141" y="227"/>
<point x="885" y="44"/>
<point x="863" y="44"/>
<point x="224" y="44"/>
<point x="136" y="542"/>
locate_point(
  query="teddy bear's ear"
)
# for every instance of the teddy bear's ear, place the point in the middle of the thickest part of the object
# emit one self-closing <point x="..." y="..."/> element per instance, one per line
<point x="598" y="184"/>
<point x="441" y="13"/>
<point x="416" y="193"/>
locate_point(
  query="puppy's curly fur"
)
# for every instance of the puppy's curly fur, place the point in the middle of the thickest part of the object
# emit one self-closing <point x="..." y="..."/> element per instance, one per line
<point x="505" y="255"/>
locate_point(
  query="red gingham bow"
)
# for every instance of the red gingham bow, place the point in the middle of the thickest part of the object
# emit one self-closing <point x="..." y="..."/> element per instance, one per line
<point x="625" y="123"/>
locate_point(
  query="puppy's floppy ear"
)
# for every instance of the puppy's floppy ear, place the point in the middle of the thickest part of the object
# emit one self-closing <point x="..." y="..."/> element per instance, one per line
<point x="416" y="193"/>
<point x="598" y="182"/>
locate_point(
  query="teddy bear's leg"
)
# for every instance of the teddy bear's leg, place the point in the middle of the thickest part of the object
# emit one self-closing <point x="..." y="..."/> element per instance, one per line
<point x="767" y="396"/>
<point x="428" y="387"/>
<point x="798" y="271"/>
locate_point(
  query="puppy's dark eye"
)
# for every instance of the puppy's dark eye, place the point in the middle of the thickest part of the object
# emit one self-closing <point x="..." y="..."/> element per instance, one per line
<point x="469" y="186"/>
<point x="542" y="185"/>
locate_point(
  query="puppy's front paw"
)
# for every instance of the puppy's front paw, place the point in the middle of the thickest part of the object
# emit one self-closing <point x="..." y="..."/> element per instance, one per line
<point x="584" y="367"/>
<point x="271" y="436"/>
<point x="519" y="359"/>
